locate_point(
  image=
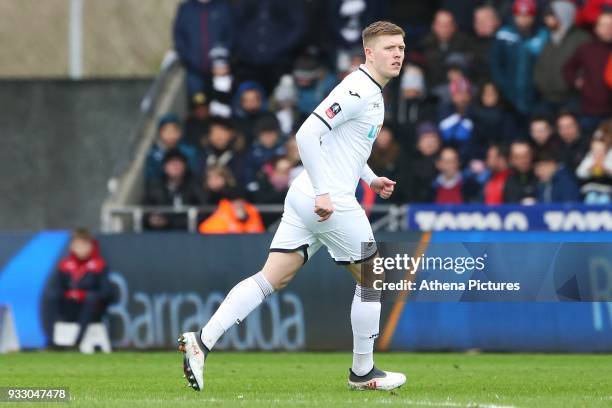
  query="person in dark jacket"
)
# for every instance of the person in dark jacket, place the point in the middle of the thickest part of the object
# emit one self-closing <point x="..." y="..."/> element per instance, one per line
<point x="268" y="145"/>
<point x="249" y="106"/>
<point x="485" y="25"/>
<point x="176" y="189"/>
<point x="556" y="184"/>
<point x="443" y="41"/>
<point x="573" y="146"/>
<point x="585" y="72"/>
<point x="82" y="286"/>
<point x="267" y="35"/>
<point x="542" y="136"/>
<point x="200" y="26"/>
<point x="522" y="185"/>
<point x="273" y="181"/>
<point x="197" y="121"/>
<point x="513" y="56"/>
<point x="222" y="149"/>
<point x="564" y="39"/>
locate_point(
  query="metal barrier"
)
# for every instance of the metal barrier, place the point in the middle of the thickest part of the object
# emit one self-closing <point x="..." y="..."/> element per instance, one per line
<point x="384" y="217"/>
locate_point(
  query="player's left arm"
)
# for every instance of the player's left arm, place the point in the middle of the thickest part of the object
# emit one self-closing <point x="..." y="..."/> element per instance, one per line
<point x="381" y="185"/>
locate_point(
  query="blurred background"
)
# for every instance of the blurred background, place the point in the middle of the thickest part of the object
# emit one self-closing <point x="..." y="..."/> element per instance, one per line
<point x="147" y="148"/>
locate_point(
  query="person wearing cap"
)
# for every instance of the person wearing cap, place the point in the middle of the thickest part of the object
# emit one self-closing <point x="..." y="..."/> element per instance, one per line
<point x="176" y="188"/>
<point x="197" y="121"/>
<point x="222" y="82"/>
<point x="414" y="103"/>
<point x="564" y="39"/>
<point x="513" y="56"/>
<point x="200" y="26"/>
<point x="169" y="137"/>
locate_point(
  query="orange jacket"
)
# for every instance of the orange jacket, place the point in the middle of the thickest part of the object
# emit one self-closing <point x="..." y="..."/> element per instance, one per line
<point x="224" y="220"/>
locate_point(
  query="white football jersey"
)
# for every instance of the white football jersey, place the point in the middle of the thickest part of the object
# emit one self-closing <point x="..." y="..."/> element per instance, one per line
<point x="354" y="112"/>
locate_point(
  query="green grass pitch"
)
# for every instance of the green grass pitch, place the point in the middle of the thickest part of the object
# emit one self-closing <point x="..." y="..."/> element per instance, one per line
<point x="315" y="379"/>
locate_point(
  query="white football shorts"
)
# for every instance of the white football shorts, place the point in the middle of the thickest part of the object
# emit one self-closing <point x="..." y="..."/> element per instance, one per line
<point x="347" y="233"/>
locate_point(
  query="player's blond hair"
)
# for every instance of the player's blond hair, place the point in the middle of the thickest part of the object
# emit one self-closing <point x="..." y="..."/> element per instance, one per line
<point x="378" y="28"/>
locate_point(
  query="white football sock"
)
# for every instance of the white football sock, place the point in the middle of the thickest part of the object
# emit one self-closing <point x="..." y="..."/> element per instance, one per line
<point x="239" y="302"/>
<point x="365" y="318"/>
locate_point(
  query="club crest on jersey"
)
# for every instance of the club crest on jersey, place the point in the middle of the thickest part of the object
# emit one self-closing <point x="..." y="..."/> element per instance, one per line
<point x="333" y="110"/>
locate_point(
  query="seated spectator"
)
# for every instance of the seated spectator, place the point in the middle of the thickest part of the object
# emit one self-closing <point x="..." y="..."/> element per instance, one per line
<point x="285" y="98"/>
<point x="513" y="56"/>
<point x="234" y="215"/>
<point x="572" y="145"/>
<point x="585" y="72"/>
<point x="522" y="186"/>
<point x="595" y="172"/>
<point x="563" y="41"/>
<point x="273" y="181"/>
<point x="417" y="174"/>
<point x="414" y="105"/>
<point x="386" y="154"/>
<point x="542" y="136"/>
<point x="492" y="122"/>
<point x="443" y="40"/>
<point x="169" y="138"/>
<point x="455" y="127"/>
<point x="268" y="145"/>
<point x="222" y="82"/>
<point x="218" y="183"/>
<point x="313" y="82"/>
<point x="485" y="24"/>
<point x="197" y="121"/>
<point x="450" y="186"/>
<point x="293" y="154"/>
<point x="176" y="189"/>
<point x="249" y="106"/>
<point x="199" y="26"/>
<point x="499" y="171"/>
<point x="556" y="184"/>
<point x="83" y="290"/>
<point x="222" y="149"/>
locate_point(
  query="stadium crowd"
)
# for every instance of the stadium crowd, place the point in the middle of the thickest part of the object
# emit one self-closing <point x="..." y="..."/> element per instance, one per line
<point x="499" y="101"/>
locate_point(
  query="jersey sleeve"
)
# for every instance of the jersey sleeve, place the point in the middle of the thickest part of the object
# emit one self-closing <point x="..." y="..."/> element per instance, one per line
<point x="340" y="106"/>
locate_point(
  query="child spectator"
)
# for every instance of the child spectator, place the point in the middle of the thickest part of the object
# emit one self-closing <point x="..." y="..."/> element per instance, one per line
<point x="234" y="215"/>
<point x="450" y="187"/>
<point x="595" y="172"/>
<point x="573" y="146"/>
<point x="521" y="186"/>
<point x="273" y="181"/>
<point x="499" y="171"/>
<point x="514" y="53"/>
<point x="268" y="145"/>
<point x="564" y="39"/>
<point x="219" y="181"/>
<point x="176" y="189"/>
<point x="82" y="289"/>
<point x="169" y="138"/>
<point x="556" y="184"/>
<point x="585" y="72"/>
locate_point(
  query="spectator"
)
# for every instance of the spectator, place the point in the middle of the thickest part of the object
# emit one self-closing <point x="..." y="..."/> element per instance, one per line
<point x="386" y="154"/>
<point x="414" y="105"/>
<point x="273" y="181"/>
<point x="499" y="171"/>
<point x="197" y="122"/>
<point x="542" y="136"/>
<point x="222" y="149"/>
<point x="573" y="146"/>
<point x="455" y="127"/>
<point x="169" y="138"/>
<point x="563" y="41"/>
<point x="450" y="187"/>
<point x="556" y="183"/>
<point x="268" y="33"/>
<point x="443" y="40"/>
<point x="293" y="154"/>
<point x="313" y="83"/>
<point x="414" y="16"/>
<point x="486" y="23"/>
<point x="418" y="173"/>
<point x="250" y="105"/>
<point x="234" y="215"/>
<point x="463" y="11"/>
<point x="268" y="145"/>
<point x="348" y="18"/>
<point x="585" y="72"/>
<point x="521" y="187"/>
<point x="285" y="98"/>
<point x="595" y="172"/>
<point x="83" y="290"/>
<point x="201" y="25"/>
<point x="176" y="189"/>
<point x="492" y="122"/>
<point x="513" y="56"/>
<point x="590" y="12"/>
<point x="218" y="184"/>
<point x="222" y="82"/>
<point x="349" y="61"/>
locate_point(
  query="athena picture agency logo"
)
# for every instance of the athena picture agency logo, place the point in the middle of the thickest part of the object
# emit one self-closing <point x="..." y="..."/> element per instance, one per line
<point x="491" y="272"/>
